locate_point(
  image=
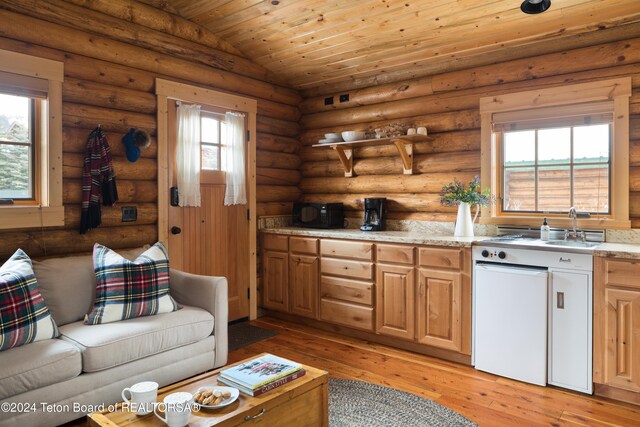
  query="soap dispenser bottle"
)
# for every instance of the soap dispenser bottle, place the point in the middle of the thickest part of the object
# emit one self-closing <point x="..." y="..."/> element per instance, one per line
<point x="544" y="230"/>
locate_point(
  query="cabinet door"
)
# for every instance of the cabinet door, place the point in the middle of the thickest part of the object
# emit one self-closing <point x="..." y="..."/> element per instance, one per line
<point x="440" y="309"/>
<point x="275" y="280"/>
<point x="395" y="301"/>
<point x="303" y="285"/>
<point x="622" y="338"/>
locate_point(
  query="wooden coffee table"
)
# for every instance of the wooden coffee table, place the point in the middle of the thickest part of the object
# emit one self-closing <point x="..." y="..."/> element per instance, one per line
<point x="303" y="401"/>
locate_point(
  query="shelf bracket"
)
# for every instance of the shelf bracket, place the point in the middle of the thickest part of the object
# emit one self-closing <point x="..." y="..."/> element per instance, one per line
<point x="346" y="158"/>
<point x="405" y="149"/>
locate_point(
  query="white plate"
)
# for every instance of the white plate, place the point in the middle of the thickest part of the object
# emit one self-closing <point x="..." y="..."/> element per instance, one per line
<point x="329" y="141"/>
<point x="229" y="400"/>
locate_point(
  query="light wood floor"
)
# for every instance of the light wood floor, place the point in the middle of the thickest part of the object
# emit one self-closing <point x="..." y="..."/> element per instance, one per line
<point x="486" y="399"/>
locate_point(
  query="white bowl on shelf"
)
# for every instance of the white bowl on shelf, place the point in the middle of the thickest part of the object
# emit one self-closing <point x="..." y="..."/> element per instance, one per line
<point x="353" y="135"/>
<point x="336" y="137"/>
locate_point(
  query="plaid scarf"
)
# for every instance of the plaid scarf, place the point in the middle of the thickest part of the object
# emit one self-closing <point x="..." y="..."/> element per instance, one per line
<point x="97" y="180"/>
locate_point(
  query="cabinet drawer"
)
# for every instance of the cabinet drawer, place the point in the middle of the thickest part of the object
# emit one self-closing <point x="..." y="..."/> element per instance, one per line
<point x="439" y="257"/>
<point x="344" y="249"/>
<point x="346" y="290"/>
<point x="343" y="267"/>
<point x="395" y="254"/>
<point x="622" y="273"/>
<point x="347" y="314"/>
<point x="304" y="245"/>
<point x="276" y="242"/>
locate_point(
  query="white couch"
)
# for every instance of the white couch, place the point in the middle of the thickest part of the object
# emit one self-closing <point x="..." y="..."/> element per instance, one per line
<point x="90" y="365"/>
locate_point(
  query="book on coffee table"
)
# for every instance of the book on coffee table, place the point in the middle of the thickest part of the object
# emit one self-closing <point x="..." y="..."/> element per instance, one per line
<point x="265" y="388"/>
<point x="259" y="371"/>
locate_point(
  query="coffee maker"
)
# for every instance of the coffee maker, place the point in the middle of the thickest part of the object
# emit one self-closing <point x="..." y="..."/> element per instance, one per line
<point x="375" y="213"/>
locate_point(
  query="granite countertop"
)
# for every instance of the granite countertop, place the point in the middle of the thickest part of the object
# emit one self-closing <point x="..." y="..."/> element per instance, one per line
<point x="410" y="237"/>
<point x="617" y="250"/>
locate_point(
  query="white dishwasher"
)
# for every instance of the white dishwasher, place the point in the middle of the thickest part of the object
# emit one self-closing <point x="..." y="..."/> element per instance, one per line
<point x="532" y="315"/>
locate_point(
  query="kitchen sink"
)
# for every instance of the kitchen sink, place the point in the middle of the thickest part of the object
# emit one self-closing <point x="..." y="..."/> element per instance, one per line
<point x="573" y="243"/>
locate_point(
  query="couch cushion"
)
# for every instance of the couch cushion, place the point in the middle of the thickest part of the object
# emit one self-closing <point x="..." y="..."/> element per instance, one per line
<point x="37" y="365"/>
<point x="111" y="344"/>
<point x="127" y="289"/>
<point x="24" y="315"/>
<point x="68" y="284"/>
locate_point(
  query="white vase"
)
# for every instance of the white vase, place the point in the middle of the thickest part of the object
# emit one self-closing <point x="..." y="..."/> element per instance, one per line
<point x="464" y="223"/>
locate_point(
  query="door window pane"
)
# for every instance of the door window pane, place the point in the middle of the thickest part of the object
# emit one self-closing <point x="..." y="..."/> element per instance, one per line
<point x="209" y="157"/>
<point x="210" y="130"/>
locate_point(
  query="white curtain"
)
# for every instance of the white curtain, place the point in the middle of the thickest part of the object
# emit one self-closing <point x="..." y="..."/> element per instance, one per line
<point x="236" y="193"/>
<point x="188" y="154"/>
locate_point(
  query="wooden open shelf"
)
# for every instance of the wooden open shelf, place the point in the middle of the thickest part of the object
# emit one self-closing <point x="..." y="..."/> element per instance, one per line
<point x="403" y="143"/>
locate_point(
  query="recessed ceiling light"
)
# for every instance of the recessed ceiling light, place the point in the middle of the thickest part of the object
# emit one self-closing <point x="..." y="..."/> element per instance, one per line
<point x="535" y="6"/>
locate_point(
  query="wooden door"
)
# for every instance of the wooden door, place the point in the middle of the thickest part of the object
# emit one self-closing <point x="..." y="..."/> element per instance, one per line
<point x="303" y="285"/>
<point x="395" y="301"/>
<point x="440" y="308"/>
<point x="212" y="239"/>
<point x="275" y="276"/>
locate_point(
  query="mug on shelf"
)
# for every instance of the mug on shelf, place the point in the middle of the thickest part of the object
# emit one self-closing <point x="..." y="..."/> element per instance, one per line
<point x="143" y="397"/>
<point x="177" y="409"/>
<point x="422" y="130"/>
<point x="411" y="131"/>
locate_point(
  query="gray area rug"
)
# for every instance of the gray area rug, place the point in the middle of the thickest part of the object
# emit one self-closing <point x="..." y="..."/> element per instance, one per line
<point x="243" y="334"/>
<point x="356" y="403"/>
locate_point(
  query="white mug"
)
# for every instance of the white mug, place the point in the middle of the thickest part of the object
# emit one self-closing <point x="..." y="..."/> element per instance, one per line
<point x="411" y="131"/>
<point x="143" y="397"/>
<point x="177" y="409"/>
<point x="422" y="130"/>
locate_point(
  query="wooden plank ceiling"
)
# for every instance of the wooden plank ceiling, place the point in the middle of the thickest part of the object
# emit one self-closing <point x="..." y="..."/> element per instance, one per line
<point x="315" y="43"/>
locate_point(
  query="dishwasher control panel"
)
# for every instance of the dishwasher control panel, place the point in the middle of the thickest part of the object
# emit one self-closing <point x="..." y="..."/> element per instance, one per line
<point x="532" y="257"/>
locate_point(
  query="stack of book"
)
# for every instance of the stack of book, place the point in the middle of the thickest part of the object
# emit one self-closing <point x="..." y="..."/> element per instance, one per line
<point x="261" y="374"/>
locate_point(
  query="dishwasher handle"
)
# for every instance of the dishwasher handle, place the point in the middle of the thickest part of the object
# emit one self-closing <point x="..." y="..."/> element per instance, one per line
<point x="512" y="270"/>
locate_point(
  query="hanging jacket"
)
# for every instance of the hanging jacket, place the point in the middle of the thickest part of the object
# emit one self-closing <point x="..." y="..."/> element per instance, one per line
<point x="98" y="180"/>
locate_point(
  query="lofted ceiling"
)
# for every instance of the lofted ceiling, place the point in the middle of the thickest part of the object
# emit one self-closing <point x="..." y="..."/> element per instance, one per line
<point x="321" y="43"/>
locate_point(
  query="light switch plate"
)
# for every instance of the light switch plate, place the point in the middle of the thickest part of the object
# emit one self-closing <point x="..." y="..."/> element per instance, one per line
<point x="129" y="213"/>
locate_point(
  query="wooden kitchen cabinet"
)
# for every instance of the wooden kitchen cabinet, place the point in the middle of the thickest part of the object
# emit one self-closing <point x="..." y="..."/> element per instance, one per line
<point x="439" y="313"/>
<point x="616" y="325"/>
<point x="275" y="280"/>
<point x="303" y="285"/>
<point x="395" y="301"/>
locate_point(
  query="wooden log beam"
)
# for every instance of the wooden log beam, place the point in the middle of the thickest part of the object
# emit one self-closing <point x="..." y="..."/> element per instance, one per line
<point x="376" y="184"/>
<point x="87" y="19"/>
<point x="74" y="140"/>
<point x="101" y="95"/>
<point x="142" y="170"/>
<point x="60" y="241"/>
<point x="86" y="116"/>
<point x="274" y="208"/>
<point x="277" y="127"/>
<point x="440" y="122"/>
<point x="422" y="163"/>
<point x="446" y="142"/>
<point x="276" y="143"/>
<point x="151" y="17"/>
<point x="277" y="193"/>
<point x="82" y="43"/>
<point x="271" y="176"/>
<point x="112" y="215"/>
<point x="269" y="159"/>
<point x="128" y="191"/>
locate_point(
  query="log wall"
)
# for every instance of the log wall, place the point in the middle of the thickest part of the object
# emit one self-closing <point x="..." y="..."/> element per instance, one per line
<point x="447" y="104"/>
<point x="113" y="50"/>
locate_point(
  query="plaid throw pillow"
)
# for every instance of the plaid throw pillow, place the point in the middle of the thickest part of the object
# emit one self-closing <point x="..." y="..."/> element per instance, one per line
<point x="24" y="316"/>
<point x="128" y="289"/>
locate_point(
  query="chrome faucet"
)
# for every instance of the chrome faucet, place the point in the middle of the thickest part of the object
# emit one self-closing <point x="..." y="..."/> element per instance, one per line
<point x="575" y="234"/>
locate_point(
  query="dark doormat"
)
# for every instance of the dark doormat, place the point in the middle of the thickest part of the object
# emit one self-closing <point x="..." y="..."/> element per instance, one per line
<point x="243" y="334"/>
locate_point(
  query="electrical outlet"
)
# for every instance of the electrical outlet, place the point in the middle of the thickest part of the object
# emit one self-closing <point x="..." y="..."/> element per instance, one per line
<point x="344" y="98"/>
<point x="129" y="213"/>
<point x="328" y="101"/>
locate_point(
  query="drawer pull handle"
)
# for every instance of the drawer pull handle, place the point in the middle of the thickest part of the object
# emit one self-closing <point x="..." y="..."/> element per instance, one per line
<point x="261" y="413"/>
